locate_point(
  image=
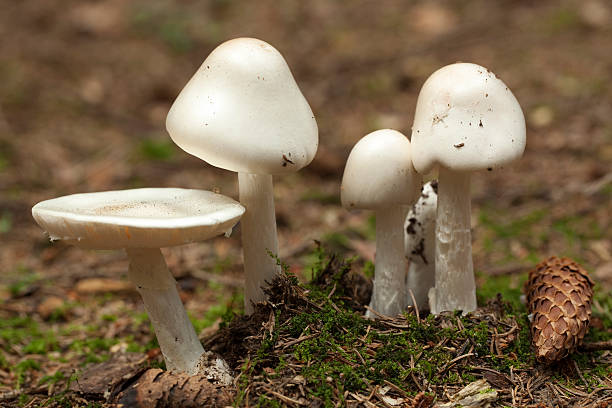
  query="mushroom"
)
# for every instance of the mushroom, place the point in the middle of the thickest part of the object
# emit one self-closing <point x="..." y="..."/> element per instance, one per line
<point x="419" y="245"/>
<point x="142" y="221"/>
<point x="466" y="120"/>
<point x="242" y="111"/>
<point x="379" y="176"/>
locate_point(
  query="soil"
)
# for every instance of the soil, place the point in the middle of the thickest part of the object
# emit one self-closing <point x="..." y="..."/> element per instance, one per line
<point x="85" y="88"/>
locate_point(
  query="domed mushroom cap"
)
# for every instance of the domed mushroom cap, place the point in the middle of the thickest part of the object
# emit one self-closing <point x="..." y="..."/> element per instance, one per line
<point x="379" y="172"/>
<point x="243" y="111"/>
<point x="139" y="218"/>
<point x="466" y="119"/>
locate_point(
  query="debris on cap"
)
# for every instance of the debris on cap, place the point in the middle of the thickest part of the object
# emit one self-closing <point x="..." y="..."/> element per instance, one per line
<point x="559" y="295"/>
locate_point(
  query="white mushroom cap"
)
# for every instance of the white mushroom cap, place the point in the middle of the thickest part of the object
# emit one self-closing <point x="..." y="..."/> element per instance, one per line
<point x="243" y="111"/>
<point x="139" y="218"/>
<point x="379" y="172"/>
<point x="466" y="119"/>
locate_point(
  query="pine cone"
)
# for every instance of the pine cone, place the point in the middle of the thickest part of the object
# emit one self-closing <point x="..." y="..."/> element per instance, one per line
<point x="559" y="294"/>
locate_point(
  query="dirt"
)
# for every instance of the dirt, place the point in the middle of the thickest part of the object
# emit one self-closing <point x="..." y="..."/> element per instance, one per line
<point x="85" y="87"/>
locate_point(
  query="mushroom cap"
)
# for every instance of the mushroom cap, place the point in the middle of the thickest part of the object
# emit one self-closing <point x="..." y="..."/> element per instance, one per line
<point x="379" y="172"/>
<point x="243" y="111"/>
<point x="139" y="218"/>
<point x="466" y="119"/>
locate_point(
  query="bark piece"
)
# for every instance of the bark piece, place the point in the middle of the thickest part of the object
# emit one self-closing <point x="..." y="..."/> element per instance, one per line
<point x="160" y="389"/>
<point x="477" y="394"/>
<point x="99" y="379"/>
<point x="559" y="295"/>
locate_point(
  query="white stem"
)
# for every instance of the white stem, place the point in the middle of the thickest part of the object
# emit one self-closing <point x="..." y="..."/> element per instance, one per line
<point x="421" y="278"/>
<point x="259" y="237"/>
<point x="177" y="339"/>
<point x="389" y="291"/>
<point x="420" y="229"/>
<point x="455" y="287"/>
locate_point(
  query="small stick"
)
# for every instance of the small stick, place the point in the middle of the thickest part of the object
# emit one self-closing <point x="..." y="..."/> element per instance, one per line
<point x="597" y="346"/>
<point x="416" y="307"/>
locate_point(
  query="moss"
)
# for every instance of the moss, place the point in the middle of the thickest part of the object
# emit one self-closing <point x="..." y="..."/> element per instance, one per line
<point x="21" y="370"/>
<point x="337" y="350"/>
<point x="508" y="286"/>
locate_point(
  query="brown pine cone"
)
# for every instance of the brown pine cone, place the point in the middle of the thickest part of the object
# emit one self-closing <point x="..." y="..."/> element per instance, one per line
<point x="559" y="294"/>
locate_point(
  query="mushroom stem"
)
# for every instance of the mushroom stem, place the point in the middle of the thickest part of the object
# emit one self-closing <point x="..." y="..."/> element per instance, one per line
<point x="420" y="244"/>
<point x="177" y="339"/>
<point x="258" y="235"/>
<point x="389" y="291"/>
<point x="455" y="287"/>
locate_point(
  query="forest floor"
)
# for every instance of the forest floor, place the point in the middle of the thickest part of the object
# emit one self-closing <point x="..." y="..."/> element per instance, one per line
<point x="84" y="90"/>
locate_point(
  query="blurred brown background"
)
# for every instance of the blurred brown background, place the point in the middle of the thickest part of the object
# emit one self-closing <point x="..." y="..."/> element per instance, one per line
<point x="85" y="87"/>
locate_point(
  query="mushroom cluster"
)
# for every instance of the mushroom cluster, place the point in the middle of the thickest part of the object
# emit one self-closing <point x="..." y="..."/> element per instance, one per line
<point x="466" y="120"/>
<point x="243" y="111"/>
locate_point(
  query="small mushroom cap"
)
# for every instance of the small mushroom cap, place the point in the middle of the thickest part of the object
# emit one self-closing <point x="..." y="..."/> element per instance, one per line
<point x="139" y="218"/>
<point x="466" y="119"/>
<point x="243" y="111"/>
<point x="379" y="172"/>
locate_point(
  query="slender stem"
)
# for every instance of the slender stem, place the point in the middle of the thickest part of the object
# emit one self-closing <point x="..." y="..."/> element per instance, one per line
<point x="420" y="247"/>
<point x="421" y="278"/>
<point x="177" y="339"/>
<point x="455" y="287"/>
<point x="259" y="237"/>
<point x="389" y="291"/>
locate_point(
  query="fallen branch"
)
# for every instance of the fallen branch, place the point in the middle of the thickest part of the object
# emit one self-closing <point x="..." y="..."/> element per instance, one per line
<point x="597" y="346"/>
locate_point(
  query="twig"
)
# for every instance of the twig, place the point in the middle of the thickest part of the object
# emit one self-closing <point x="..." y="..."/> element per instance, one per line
<point x="597" y="346"/>
<point x="381" y="399"/>
<point x="362" y="400"/>
<point x="298" y="340"/>
<point x="381" y="316"/>
<point x="331" y="293"/>
<point x="453" y="361"/>
<point x="396" y="388"/>
<point x="283" y="397"/>
<point x="10" y="395"/>
<point x="418" y="384"/>
<point x="416" y="307"/>
<point x="580" y="373"/>
<point x="598" y="184"/>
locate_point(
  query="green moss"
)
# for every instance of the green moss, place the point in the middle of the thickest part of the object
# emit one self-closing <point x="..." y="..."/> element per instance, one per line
<point x="510" y="287"/>
<point x="53" y="378"/>
<point x="368" y="269"/>
<point x="339" y="350"/>
<point x="21" y="370"/>
<point x="42" y="345"/>
<point x="26" y="279"/>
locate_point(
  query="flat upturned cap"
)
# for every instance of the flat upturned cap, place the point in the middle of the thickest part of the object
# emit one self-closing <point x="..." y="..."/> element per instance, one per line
<point x="466" y="119"/>
<point x="243" y="111"/>
<point x="379" y="172"/>
<point x="139" y="218"/>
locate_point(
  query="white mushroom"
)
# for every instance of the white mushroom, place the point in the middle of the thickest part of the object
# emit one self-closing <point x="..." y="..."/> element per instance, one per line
<point x="142" y="221"/>
<point x="466" y="120"/>
<point x="419" y="228"/>
<point x="379" y="176"/>
<point x="242" y="111"/>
